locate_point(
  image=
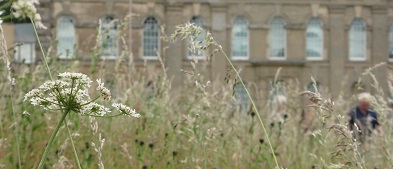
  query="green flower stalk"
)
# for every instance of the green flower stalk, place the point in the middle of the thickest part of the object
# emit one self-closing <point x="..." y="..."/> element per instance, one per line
<point x="70" y="94"/>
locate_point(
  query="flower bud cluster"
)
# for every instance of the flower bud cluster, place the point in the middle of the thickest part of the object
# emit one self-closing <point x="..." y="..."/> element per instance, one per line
<point x="26" y="9"/>
<point x="105" y="93"/>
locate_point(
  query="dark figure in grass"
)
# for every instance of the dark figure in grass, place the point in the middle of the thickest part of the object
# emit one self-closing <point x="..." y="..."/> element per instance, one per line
<point x="363" y="120"/>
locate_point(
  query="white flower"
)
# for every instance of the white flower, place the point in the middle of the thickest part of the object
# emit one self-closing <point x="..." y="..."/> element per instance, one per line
<point x="32" y="93"/>
<point x="105" y="93"/>
<point x="126" y="110"/>
<point x="39" y="25"/>
<point x="53" y="84"/>
<point x="94" y="109"/>
<point x="70" y="93"/>
<point x="26" y="9"/>
<point x="79" y="78"/>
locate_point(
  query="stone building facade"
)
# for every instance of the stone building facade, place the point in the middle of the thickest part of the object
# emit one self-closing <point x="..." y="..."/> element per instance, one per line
<point x="333" y="41"/>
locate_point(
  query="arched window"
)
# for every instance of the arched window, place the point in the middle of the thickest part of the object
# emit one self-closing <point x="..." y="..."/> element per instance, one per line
<point x="242" y="103"/>
<point x="199" y="54"/>
<point x="357" y="40"/>
<point x="151" y="38"/>
<point x="277" y="39"/>
<point x="314" y="39"/>
<point x="66" y="37"/>
<point x="240" y="38"/>
<point x="391" y="42"/>
<point x="110" y="40"/>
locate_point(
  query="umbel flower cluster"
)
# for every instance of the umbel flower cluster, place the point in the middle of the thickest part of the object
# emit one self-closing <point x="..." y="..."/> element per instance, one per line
<point x="22" y="9"/>
<point x="70" y="94"/>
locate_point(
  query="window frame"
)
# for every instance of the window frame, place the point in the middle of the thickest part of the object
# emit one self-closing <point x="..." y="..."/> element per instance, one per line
<point x="158" y="39"/>
<point x="364" y="31"/>
<point x="111" y="32"/>
<point x="271" y="57"/>
<point x="71" y="54"/>
<point x="321" y="39"/>
<point x="245" y="57"/>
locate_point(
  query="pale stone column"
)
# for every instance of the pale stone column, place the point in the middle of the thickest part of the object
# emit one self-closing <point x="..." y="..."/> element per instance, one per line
<point x="173" y="55"/>
<point x="219" y="32"/>
<point x="379" y="46"/>
<point x="338" y="54"/>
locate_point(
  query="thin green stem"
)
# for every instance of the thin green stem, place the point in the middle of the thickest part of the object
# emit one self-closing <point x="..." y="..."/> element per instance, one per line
<point x="90" y="101"/>
<point x="4" y="52"/>
<point x="253" y="105"/>
<point x="73" y="146"/>
<point x="173" y="162"/>
<point x="52" y="138"/>
<point x="16" y="131"/>
<point x="43" y="98"/>
<point x="204" y="155"/>
<point x="42" y="50"/>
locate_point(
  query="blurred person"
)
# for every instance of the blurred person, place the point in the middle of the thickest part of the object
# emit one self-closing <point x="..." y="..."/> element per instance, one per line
<point x="363" y="118"/>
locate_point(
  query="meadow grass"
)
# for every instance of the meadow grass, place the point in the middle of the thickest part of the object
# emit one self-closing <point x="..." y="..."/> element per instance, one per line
<point x="191" y="127"/>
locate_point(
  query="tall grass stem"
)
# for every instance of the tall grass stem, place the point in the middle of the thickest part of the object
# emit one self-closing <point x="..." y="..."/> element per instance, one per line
<point x="72" y="144"/>
<point x="52" y="138"/>
<point x="16" y="128"/>
<point x="253" y="105"/>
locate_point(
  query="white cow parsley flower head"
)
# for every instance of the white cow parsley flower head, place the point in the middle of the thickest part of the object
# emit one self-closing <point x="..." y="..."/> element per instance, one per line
<point x="70" y="93"/>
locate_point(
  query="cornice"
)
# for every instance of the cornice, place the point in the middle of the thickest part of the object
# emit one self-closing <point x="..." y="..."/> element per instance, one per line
<point x="336" y="9"/>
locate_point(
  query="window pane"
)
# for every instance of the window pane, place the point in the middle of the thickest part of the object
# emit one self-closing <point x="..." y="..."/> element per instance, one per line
<point x="66" y="37"/>
<point x="240" y="37"/>
<point x="200" y="38"/>
<point x="277" y="38"/>
<point x="357" y="40"/>
<point x="150" y="37"/>
<point x="24" y="35"/>
<point x="25" y="53"/>
<point x="109" y="42"/>
<point x="314" y="39"/>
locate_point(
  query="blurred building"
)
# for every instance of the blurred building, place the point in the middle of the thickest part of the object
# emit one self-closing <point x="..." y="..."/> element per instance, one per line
<point x="332" y="40"/>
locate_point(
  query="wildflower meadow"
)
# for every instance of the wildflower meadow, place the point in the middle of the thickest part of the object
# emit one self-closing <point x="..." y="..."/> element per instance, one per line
<point x="62" y="114"/>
